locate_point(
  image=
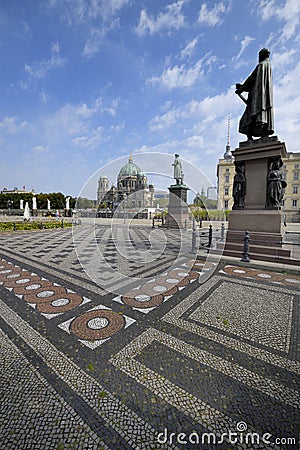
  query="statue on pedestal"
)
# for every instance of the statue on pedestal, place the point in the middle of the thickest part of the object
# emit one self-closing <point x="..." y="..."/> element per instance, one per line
<point x="239" y="186"/>
<point x="258" y="118"/>
<point x="178" y="174"/>
<point x="275" y="185"/>
<point x="34" y="205"/>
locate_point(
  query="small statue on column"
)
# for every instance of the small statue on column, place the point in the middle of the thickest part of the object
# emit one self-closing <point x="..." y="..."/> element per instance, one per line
<point x="178" y="174"/>
<point x="239" y="186"/>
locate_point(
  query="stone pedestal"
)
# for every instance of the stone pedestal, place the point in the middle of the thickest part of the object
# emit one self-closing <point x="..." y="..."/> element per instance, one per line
<point x="264" y="225"/>
<point x="178" y="213"/>
<point x="256" y="155"/>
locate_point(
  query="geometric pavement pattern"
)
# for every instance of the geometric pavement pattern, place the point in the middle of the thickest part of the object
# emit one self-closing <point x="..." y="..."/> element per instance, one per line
<point x="176" y="363"/>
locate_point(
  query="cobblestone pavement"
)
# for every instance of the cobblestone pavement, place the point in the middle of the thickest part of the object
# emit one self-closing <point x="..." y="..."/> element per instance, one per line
<point x="194" y="353"/>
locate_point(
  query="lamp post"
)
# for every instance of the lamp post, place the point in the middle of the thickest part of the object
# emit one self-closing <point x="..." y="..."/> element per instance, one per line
<point x="124" y="206"/>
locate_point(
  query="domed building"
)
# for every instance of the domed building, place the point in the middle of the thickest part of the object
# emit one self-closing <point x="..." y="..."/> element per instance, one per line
<point x="131" y="185"/>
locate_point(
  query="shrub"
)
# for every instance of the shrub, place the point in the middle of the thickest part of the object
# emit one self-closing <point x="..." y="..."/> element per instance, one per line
<point x="19" y="226"/>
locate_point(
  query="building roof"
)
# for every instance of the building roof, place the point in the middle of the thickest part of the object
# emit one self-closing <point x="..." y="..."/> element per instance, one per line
<point x="130" y="169"/>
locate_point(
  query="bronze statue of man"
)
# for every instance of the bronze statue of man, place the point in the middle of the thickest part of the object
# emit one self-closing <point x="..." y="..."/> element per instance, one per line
<point x="258" y="118"/>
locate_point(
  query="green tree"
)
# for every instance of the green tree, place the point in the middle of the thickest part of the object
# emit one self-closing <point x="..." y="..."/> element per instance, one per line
<point x="83" y="203"/>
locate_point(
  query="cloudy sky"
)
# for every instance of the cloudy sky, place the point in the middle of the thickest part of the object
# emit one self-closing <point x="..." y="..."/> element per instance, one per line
<point x="84" y="82"/>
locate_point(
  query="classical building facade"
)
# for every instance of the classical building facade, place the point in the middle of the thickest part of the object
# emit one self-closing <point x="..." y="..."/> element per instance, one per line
<point x="290" y="172"/>
<point x="225" y="174"/>
<point x="131" y="185"/>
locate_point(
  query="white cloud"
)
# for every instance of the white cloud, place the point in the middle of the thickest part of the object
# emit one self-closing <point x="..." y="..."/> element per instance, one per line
<point x="94" y="42"/>
<point x="76" y="12"/>
<point x="188" y="50"/>
<point x="202" y="126"/>
<point x="178" y="76"/>
<point x="289" y="12"/>
<point x="42" y="68"/>
<point x="212" y="17"/>
<point x="283" y="59"/>
<point x="172" y="17"/>
<point x="91" y="140"/>
<point x="40" y="149"/>
<point x="100" y="16"/>
<point x="183" y="76"/>
<point x="12" y="125"/>
<point x="244" y="44"/>
<point x="76" y="119"/>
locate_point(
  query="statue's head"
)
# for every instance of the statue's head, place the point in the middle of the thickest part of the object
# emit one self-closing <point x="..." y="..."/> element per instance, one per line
<point x="263" y="54"/>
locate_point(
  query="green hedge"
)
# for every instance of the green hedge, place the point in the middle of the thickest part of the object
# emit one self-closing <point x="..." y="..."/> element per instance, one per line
<point x="210" y="214"/>
<point x="15" y="226"/>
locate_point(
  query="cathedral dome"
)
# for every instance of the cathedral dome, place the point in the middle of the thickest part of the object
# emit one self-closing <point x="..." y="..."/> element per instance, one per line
<point x="130" y="169"/>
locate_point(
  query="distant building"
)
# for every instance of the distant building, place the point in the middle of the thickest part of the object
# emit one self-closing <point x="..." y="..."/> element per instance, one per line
<point x="131" y="184"/>
<point x="16" y="190"/>
<point x="291" y="173"/>
<point x="225" y="174"/>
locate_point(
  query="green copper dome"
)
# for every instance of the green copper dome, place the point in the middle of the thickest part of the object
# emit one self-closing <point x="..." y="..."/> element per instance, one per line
<point x="130" y="169"/>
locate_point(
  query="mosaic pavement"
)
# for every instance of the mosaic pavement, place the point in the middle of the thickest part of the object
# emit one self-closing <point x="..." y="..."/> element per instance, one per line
<point x="194" y="355"/>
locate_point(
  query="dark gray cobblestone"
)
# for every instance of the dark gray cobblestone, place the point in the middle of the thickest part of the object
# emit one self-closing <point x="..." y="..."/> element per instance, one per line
<point x="33" y="415"/>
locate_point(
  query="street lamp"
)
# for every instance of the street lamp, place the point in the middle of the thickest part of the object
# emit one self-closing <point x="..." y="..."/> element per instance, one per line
<point x="124" y="206"/>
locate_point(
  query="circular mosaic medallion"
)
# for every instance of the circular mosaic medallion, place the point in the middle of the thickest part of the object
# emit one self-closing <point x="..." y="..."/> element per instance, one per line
<point x="4" y="274"/>
<point x="153" y="288"/>
<point x="45" y="294"/>
<point x="14" y="275"/>
<point x="139" y="299"/>
<point x="58" y="303"/>
<point x="239" y="272"/>
<point x="267" y="275"/>
<point x="84" y="326"/>
<point x="292" y="280"/>
<point x="33" y="286"/>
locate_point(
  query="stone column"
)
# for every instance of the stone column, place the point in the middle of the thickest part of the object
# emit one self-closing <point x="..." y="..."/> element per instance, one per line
<point x="178" y="209"/>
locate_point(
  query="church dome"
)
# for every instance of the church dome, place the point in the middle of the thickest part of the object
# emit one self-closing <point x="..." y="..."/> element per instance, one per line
<point x="130" y="169"/>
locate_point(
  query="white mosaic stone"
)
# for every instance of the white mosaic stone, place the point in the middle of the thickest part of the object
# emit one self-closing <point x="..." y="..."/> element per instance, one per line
<point x="45" y="294"/>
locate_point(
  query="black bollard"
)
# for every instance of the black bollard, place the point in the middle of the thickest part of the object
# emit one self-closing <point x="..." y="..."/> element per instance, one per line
<point x="210" y="232"/>
<point x="194" y="236"/>
<point x="222" y="232"/>
<point x="153" y="223"/>
<point x="247" y="239"/>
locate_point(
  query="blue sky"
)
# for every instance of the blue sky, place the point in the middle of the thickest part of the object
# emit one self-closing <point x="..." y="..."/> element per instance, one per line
<point x="84" y="82"/>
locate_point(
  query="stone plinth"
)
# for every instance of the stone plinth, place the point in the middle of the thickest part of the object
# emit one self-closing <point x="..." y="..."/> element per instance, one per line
<point x="260" y="220"/>
<point x="264" y="225"/>
<point x="256" y="156"/>
<point x="178" y="213"/>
